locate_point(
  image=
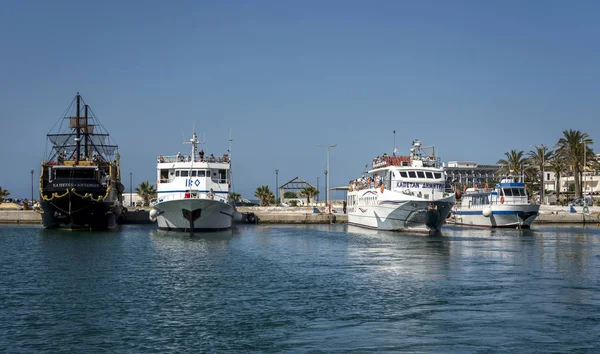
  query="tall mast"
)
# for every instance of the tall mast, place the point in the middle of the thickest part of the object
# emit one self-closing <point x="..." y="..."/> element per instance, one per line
<point x="78" y="136"/>
<point x="85" y="151"/>
<point x="230" y="170"/>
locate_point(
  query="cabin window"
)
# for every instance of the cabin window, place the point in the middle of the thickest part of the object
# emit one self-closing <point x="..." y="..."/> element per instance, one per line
<point x="201" y="173"/>
<point x="164" y="176"/>
<point x="74" y="173"/>
<point x="429" y="175"/>
<point x="177" y="173"/>
<point x="403" y="174"/>
<point x="507" y="192"/>
<point x="193" y="173"/>
<point x="518" y="191"/>
<point x="437" y="175"/>
<point x="420" y="174"/>
<point x="412" y="174"/>
<point x="183" y="173"/>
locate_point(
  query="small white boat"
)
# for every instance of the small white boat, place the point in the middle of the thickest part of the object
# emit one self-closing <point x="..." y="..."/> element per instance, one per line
<point x="193" y="192"/>
<point x="402" y="193"/>
<point x="506" y="205"/>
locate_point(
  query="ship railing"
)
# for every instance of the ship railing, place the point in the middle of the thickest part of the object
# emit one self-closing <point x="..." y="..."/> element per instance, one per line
<point x="193" y="195"/>
<point x="384" y="161"/>
<point x="507" y="201"/>
<point x="186" y="158"/>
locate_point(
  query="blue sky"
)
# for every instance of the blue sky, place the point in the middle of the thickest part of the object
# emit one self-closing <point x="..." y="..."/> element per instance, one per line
<point x="474" y="78"/>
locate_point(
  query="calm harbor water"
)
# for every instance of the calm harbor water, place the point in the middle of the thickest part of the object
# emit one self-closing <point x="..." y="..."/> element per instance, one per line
<point x="326" y="288"/>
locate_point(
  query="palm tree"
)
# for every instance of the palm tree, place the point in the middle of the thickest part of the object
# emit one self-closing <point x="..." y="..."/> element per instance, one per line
<point x="264" y="194"/>
<point x="513" y="164"/>
<point x="571" y="146"/>
<point x="146" y="191"/>
<point x="308" y="192"/>
<point x="290" y="195"/>
<point x="537" y="159"/>
<point x="559" y="167"/>
<point x="234" y="197"/>
<point x="3" y="194"/>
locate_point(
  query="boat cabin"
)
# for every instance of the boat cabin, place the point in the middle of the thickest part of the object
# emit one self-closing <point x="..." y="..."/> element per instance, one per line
<point x="197" y="179"/>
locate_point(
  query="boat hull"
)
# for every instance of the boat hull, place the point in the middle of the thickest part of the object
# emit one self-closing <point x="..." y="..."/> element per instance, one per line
<point x="206" y="215"/>
<point x="507" y="215"/>
<point x="79" y="213"/>
<point x="408" y="215"/>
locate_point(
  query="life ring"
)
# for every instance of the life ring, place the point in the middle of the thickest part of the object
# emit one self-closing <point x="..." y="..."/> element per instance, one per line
<point x="502" y="200"/>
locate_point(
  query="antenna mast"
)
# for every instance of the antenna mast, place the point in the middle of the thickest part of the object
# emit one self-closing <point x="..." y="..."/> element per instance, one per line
<point x="230" y="169"/>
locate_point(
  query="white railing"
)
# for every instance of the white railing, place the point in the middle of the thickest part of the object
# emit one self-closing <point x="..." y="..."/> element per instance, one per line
<point x="188" y="158"/>
<point x="182" y="195"/>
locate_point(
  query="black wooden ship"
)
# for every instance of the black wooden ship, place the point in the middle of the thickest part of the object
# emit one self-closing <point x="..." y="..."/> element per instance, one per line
<point x="80" y="185"/>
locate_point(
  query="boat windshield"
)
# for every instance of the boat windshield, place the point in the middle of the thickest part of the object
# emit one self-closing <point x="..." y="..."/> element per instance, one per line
<point x="481" y="199"/>
<point x="514" y="192"/>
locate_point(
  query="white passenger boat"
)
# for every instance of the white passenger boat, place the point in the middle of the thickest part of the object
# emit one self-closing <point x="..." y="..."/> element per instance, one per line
<point x="402" y="193"/>
<point x="506" y="205"/>
<point x="192" y="192"/>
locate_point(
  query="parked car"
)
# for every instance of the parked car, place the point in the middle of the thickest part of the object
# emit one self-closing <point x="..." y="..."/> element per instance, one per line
<point x="581" y="201"/>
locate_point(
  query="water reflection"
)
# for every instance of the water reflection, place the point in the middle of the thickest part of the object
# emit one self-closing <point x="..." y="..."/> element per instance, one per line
<point x="174" y="242"/>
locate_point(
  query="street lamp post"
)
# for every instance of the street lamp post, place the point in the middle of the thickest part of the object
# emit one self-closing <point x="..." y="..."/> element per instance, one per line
<point x="32" y="171"/>
<point x="277" y="186"/>
<point x="317" y="196"/>
<point x="326" y="196"/>
<point x="542" y="192"/>
<point x="327" y="173"/>
<point x="584" y="162"/>
<point x="543" y="187"/>
<point x="130" y="189"/>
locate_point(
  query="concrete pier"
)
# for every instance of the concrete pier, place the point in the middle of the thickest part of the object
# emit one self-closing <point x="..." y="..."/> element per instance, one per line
<point x="20" y="217"/>
<point x="306" y="215"/>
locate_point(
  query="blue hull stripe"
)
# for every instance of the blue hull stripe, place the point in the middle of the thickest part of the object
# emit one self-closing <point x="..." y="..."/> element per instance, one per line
<point x="494" y="212"/>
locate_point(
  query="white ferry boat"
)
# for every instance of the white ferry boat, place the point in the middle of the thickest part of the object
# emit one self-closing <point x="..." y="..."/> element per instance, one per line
<point x="193" y="191"/>
<point x="402" y="193"/>
<point x="506" y="205"/>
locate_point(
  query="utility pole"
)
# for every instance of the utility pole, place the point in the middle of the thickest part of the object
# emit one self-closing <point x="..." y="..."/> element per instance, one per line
<point x="277" y="186"/>
<point x="542" y="179"/>
<point x="131" y="189"/>
<point x="327" y="173"/>
<point x="32" y="172"/>
<point x="584" y="163"/>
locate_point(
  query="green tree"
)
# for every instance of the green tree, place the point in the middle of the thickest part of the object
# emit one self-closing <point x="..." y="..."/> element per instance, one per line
<point x="234" y="197"/>
<point x="513" y="163"/>
<point x="308" y="192"/>
<point x="571" y="146"/>
<point x="537" y="160"/>
<point x="146" y="191"/>
<point x="559" y="167"/>
<point x="290" y="195"/>
<point x="3" y="194"/>
<point x="264" y="194"/>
